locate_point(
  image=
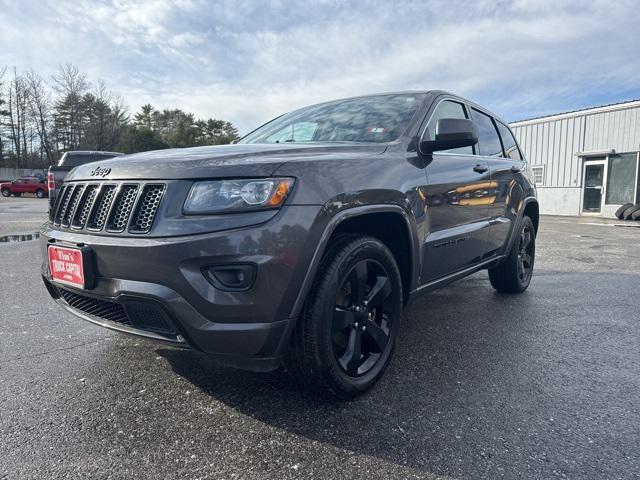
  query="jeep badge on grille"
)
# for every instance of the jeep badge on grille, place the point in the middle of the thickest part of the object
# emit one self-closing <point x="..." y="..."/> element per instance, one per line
<point x="100" y="172"/>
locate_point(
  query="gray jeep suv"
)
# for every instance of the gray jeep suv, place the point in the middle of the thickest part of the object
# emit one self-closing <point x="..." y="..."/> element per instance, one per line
<point x="302" y="243"/>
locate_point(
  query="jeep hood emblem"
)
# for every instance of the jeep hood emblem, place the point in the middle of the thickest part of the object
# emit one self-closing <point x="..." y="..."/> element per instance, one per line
<point x="100" y="172"/>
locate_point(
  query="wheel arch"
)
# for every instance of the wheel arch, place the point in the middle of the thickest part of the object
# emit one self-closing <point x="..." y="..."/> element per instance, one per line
<point x="381" y="222"/>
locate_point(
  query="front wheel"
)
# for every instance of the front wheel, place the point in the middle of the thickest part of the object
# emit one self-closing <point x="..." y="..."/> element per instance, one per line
<point x="40" y="193"/>
<point x="514" y="274"/>
<point x="6" y="192"/>
<point x="345" y="338"/>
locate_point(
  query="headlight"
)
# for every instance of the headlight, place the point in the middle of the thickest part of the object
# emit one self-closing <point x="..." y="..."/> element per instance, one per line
<point x="231" y="196"/>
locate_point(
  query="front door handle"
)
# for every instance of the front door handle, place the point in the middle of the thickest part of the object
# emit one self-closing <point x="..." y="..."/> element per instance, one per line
<point x="480" y="168"/>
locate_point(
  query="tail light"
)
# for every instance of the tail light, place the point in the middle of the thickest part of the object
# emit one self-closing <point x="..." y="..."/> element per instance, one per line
<point x="51" y="181"/>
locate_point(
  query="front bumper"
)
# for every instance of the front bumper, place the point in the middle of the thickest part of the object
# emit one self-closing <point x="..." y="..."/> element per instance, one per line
<point x="155" y="286"/>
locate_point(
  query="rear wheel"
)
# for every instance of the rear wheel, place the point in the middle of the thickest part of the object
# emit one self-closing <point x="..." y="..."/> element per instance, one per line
<point x="6" y="192"/>
<point x="40" y="193"/>
<point x="514" y="274"/>
<point x="346" y="336"/>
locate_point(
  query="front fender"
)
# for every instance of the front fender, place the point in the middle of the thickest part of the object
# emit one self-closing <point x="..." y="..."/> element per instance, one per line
<point x="343" y="215"/>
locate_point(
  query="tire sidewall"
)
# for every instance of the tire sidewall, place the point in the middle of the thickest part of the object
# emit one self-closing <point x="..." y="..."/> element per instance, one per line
<point x="40" y="193"/>
<point x="526" y="223"/>
<point x="6" y="192"/>
<point x="368" y="249"/>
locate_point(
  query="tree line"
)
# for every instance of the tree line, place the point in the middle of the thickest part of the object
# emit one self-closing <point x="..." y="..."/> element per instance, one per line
<point x="41" y="119"/>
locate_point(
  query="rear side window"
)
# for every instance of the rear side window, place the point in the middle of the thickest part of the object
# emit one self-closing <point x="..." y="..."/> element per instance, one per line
<point x="488" y="139"/>
<point x="509" y="142"/>
<point x="447" y="109"/>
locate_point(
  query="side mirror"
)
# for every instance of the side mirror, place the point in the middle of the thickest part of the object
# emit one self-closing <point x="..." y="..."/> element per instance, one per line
<point x="451" y="133"/>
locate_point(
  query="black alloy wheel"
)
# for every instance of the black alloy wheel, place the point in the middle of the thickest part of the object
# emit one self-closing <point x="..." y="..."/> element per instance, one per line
<point x="362" y="318"/>
<point x="345" y="337"/>
<point x="525" y="254"/>
<point x="514" y="273"/>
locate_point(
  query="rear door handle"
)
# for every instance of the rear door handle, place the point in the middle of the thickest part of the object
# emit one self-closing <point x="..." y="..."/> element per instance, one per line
<point x="480" y="168"/>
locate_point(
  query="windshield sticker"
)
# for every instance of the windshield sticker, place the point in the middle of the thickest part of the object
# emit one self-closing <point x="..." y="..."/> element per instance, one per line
<point x="375" y="130"/>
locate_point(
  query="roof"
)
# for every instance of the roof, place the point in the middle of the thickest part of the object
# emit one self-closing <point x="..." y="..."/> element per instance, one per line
<point x="584" y="111"/>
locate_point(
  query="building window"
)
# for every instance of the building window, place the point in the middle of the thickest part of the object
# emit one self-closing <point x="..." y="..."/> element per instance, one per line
<point x="621" y="178"/>
<point x="538" y="175"/>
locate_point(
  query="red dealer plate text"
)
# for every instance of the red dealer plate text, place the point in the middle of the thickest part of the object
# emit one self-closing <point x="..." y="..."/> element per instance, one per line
<point x="65" y="265"/>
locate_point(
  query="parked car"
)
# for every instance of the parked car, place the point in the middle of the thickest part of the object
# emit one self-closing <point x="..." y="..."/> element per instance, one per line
<point x="28" y="184"/>
<point x="57" y="174"/>
<point x="302" y="243"/>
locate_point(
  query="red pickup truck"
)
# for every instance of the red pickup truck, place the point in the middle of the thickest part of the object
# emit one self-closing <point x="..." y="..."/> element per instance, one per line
<point x="22" y="185"/>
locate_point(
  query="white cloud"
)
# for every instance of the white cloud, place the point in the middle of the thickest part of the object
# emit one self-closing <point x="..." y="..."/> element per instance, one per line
<point x="249" y="61"/>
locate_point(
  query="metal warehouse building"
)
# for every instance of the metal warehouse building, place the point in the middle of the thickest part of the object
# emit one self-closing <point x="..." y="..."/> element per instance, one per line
<point x="585" y="162"/>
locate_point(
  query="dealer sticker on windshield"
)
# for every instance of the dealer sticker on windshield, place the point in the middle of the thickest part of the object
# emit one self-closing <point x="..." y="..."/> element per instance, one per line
<point x="66" y="266"/>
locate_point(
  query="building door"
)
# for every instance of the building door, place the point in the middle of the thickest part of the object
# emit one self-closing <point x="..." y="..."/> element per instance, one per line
<point x="594" y="181"/>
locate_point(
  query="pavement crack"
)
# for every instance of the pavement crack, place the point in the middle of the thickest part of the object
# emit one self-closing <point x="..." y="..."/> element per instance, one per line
<point x="55" y="350"/>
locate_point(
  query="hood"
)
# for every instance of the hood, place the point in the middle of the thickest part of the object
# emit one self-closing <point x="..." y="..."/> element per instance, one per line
<point x="241" y="160"/>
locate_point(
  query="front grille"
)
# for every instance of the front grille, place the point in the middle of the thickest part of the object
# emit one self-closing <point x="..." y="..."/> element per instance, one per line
<point x="98" y="308"/>
<point x="108" y="207"/>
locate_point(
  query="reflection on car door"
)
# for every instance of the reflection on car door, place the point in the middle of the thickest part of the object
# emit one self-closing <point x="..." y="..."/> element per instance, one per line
<point x="505" y="167"/>
<point x="457" y="204"/>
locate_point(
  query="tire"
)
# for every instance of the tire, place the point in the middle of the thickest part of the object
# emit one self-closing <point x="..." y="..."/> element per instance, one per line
<point x="514" y="274"/>
<point x="342" y="345"/>
<point x="6" y="192"/>
<point x="635" y="215"/>
<point x="621" y="210"/>
<point x="40" y="193"/>
<point x="630" y="211"/>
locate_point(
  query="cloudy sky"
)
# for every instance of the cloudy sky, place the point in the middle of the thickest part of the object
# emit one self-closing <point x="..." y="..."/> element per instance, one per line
<point x="247" y="61"/>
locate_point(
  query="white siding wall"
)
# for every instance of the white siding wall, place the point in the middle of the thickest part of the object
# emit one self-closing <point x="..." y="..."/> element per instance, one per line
<point x="554" y="142"/>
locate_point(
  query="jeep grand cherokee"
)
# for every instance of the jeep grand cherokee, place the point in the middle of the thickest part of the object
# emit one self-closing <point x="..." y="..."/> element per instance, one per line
<point x="302" y="243"/>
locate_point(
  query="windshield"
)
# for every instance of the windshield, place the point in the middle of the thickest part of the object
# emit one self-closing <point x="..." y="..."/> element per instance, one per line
<point x="377" y="119"/>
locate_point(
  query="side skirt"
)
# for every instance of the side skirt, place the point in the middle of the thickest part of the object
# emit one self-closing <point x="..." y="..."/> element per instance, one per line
<point x="441" y="282"/>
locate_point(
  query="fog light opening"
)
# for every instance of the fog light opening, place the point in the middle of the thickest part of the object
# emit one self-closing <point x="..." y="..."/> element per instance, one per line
<point x="231" y="278"/>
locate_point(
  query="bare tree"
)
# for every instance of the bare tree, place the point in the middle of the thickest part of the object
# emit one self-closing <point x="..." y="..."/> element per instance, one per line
<point x="18" y="103"/>
<point x="40" y="111"/>
<point x="71" y="85"/>
<point x="3" y="111"/>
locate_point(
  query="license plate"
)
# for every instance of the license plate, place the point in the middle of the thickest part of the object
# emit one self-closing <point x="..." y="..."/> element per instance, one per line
<point x="67" y="266"/>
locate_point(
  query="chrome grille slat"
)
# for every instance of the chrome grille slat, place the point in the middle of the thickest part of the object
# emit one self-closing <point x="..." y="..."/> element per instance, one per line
<point x="64" y="203"/>
<point x="110" y="207"/>
<point x="98" y="216"/>
<point x="147" y="208"/>
<point x="82" y="213"/>
<point x="74" y="200"/>
<point x="122" y="207"/>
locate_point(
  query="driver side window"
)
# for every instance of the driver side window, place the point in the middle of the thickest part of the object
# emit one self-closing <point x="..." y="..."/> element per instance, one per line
<point x="447" y="109"/>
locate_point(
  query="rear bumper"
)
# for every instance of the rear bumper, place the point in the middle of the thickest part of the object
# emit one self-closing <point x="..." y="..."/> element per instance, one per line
<point x="154" y="287"/>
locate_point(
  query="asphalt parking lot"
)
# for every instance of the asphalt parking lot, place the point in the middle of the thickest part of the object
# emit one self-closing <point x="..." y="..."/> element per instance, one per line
<point x="541" y="385"/>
